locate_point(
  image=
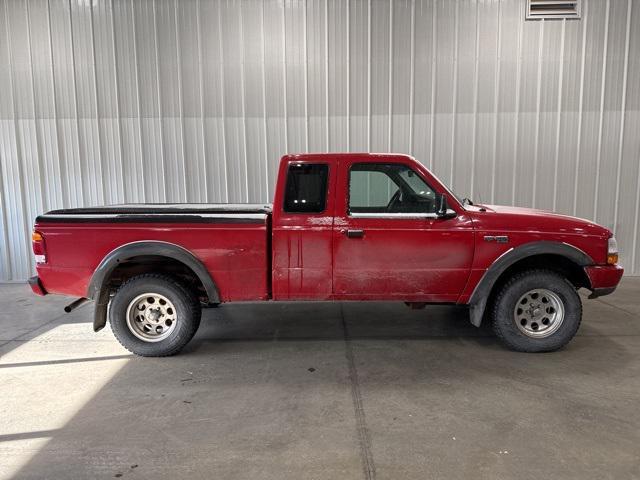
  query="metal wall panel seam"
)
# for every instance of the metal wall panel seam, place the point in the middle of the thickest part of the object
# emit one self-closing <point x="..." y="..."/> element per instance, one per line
<point x="264" y="107"/>
<point x="38" y="132"/>
<point x="284" y="75"/>
<point x="623" y="111"/>
<point x="16" y="127"/>
<point x="369" y="78"/>
<point x="390" y="79"/>
<point x="559" y="115"/>
<point x="536" y="140"/>
<point x="412" y="74"/>
<point x="163" y="160"/>
<point x="138" y="99"/>
<point x="101" y="196"/>
<point x="496" y="102"/>
<point x="201" y="86"/>
<point x="454" y="106"/>
<point x="517" y="116"/>
<point x="475" y="100"/>
<point x="54" y="98"/>
<point x="348" y="75"/>
<point x="6" y="250"/>
<point x="434" y="66"/>
<point x="326" y="71"/>
<point x="601" y="122"/>
<point x="31" y="140"/>
<point x="243" y="106"/>
<point x="580" y="108"/>
<point x="634" y="249"/>
<point x="117" y="90"/>
<point x="185" y="194"/>
<point x="223" y="108"/>
<point x="75" y="103"/>
<point x="306" y="76"/>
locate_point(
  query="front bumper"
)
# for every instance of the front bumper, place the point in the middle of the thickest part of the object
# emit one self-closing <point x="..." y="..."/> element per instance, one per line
<point x="36" y="286"/>
<point x="603" y="278"/>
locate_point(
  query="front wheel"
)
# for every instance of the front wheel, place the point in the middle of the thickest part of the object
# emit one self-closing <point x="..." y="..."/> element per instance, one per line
<point x="536" y="311"/>
<point x="154" y="315"/>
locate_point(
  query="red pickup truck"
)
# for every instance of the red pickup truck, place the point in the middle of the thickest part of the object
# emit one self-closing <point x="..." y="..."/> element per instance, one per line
<point x="342" y="227"/>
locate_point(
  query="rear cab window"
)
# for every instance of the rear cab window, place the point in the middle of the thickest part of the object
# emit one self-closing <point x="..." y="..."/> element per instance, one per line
<point x="306" y="188"/>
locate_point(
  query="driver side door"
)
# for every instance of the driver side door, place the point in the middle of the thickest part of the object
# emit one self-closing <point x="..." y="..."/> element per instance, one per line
<point x="388" y="242"/>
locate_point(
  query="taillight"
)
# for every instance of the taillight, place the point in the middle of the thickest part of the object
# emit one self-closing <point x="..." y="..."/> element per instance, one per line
<point x="612" y="251"/>
<point x="39" y="248"/>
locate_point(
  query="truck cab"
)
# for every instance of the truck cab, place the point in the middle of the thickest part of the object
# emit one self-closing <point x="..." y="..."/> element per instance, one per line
<point x="367" y="227"/>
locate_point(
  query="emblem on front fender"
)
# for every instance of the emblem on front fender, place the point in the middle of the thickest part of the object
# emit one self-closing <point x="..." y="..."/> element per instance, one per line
<point x="496" y="238"/>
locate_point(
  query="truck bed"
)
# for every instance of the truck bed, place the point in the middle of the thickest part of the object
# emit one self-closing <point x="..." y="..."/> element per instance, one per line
<point x="231" y="240"/>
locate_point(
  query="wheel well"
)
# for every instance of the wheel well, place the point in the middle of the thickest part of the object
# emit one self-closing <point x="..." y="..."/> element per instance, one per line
<point x="156" y="264"/>
<point x="556" y="263"/>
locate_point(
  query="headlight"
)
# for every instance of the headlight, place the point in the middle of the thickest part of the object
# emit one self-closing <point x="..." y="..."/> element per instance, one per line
<point x="612" y="251"/>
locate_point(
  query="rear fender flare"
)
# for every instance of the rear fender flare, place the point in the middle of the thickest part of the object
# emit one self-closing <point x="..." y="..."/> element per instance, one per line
<point x="97" y="291"/>
<point x="480" y="295"/>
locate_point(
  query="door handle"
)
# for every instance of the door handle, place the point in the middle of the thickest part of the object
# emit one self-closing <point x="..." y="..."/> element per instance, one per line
<point x="354" y="233"/>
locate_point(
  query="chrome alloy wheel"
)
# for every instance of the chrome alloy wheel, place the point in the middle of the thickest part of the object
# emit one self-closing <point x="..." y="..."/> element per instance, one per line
<point x="539" y="313"/>
<point x="151" y="317"/>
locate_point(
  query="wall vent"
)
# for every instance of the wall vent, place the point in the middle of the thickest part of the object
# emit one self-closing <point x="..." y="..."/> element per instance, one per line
<point x="547" y="9"/>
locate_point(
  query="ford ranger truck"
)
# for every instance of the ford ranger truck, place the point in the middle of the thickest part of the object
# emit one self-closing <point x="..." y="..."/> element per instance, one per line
<point x="342" y="227"/>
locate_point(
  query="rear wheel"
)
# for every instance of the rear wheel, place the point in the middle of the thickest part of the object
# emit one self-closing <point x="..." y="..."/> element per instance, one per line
<point x="536" y="311"/>
<point x="154" y="315"/>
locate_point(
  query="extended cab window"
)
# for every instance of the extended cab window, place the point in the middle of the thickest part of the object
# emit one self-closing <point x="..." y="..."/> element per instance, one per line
<point x="306" y="189"/>
<point x="388" y="188"/>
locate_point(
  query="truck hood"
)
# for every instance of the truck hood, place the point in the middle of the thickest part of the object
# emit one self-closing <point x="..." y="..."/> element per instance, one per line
<point x="534" y="220"/>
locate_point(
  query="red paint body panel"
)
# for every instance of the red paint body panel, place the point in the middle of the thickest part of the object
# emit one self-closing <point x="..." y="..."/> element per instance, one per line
<point x="302" y="260"/>
<point x="525" y="225"/>
<point x="309" y="257"/>
<point x="410" y="259"/>
<point x="604" y="276"/>
<point x="235" y="255"/>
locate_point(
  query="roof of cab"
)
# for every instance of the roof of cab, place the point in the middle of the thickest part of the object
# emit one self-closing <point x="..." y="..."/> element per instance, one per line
<point x="352" y="156"/>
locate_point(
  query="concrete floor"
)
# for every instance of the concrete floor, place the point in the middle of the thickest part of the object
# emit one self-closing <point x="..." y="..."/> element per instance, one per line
<point x="292" y="391"/>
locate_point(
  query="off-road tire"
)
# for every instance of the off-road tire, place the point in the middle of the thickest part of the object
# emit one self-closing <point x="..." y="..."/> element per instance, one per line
<point x="188" y="313"/>
<point x="504" y="321"/>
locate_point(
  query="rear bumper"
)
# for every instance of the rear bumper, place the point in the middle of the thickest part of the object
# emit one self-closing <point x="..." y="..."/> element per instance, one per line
<point x="603" y="278"/>
<point x="36" y="286"/>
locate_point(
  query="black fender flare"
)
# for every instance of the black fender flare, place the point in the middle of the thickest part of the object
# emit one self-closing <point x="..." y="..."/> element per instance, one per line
<point x="480" y="295"/>
<point x="110" y="262"/>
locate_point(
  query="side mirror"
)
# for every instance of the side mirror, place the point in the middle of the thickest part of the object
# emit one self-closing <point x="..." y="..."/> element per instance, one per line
<point x="442" y="211"/>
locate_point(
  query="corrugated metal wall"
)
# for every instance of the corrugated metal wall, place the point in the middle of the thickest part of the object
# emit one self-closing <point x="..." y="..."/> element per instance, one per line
<point x="107" y="101"/>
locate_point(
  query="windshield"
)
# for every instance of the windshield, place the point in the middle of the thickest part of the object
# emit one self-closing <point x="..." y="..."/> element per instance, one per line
<point x="463" y="201"/>
<point x="416" y="183"/>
